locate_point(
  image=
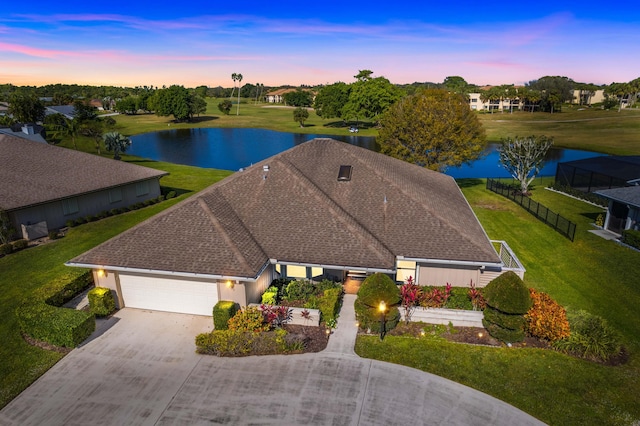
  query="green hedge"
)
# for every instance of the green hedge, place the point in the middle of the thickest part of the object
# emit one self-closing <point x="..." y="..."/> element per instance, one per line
<point x="41" y="317"/>
<point x="65" y="288"/>
<point x="57" y="326"/>
<point x="101" y="302"/>
<point x="222" y="312"/>
<point x="329" y="303"/>
<point x="244" y="343"/>
<point x="631" y="237"/>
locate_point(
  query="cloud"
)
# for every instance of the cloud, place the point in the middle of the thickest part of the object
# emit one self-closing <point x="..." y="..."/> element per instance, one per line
<point x="36" y="52"/>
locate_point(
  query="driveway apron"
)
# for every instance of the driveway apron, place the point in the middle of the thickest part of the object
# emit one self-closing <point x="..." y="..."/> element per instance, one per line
<point x="141" y="369"/>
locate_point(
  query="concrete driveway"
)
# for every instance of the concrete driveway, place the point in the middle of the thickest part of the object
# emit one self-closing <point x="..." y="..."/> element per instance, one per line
<point x="143" y="371"/>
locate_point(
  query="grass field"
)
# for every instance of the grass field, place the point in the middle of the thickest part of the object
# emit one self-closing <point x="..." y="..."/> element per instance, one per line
<point x="591" y="274"/>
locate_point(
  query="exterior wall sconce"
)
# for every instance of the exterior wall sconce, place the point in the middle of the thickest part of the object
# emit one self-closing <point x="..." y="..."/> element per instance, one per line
<point x="230" y="284"/>
<point x="102" y="273"/>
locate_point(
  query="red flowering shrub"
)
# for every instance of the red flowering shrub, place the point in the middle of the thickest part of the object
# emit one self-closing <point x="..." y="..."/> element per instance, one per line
<point x="546" y="319"/>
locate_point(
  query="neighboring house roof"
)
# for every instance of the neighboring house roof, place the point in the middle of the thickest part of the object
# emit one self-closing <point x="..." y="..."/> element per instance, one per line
<point x="298" y="211"/>
<point x="623" y="167"/>
<point x="32" y="132"/>
<point x="626" y="195"/>
<point x="281" y="92"/>
<point x="35" y="173"/>
<point x="68" y="111"/>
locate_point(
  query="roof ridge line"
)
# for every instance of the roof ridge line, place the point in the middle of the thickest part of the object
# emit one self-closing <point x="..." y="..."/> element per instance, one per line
<point x="220" y="228"/>
<point x="351" y="222"/>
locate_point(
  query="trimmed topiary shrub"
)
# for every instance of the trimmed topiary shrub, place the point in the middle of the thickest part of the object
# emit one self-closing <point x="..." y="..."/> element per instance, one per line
<point x="378" y="287"/>
<point x="374" y="289"/>
<point x="223" y="311"/>
<point x="546" y="319"/>
<point x="101" y="302"/>
<point x="508" y="294"/>
<point x="508" y="300"/>
<point x="171" y="194"/>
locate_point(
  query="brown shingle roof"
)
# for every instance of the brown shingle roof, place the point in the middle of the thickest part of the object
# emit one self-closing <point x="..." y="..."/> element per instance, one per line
<point x="34" y="173"/>
<point x="301" y="213"/>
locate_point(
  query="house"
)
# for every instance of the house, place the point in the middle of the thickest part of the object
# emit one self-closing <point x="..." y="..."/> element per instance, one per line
<point x="33" y="132"/>
<point x="623" y="211"/>
<point x="277" y="96"/>
<point x="49" y="185"/>
<point x="321" y="209"/>
<point x="588" y="97"/>
<point x="598" y="173"/>
<point x="69" y="111"/>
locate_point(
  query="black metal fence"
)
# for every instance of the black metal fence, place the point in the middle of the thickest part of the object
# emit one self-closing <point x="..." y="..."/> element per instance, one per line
<point x="557" y="222"/>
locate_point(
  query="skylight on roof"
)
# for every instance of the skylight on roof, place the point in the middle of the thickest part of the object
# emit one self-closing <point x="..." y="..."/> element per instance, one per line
<point x="344" y="174"/>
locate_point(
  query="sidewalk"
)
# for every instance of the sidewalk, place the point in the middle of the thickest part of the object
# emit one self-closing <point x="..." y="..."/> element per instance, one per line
<point x="343" y="338"/>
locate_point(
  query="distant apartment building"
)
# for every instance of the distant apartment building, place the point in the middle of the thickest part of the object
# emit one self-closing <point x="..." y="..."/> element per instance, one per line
<point x="580" y="97"/>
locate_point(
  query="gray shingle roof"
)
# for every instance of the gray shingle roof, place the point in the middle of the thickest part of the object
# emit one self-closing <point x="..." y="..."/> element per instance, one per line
<point x="629" y="195"/>
<point x="33" y="173"/>
<point x="301" y="213"/>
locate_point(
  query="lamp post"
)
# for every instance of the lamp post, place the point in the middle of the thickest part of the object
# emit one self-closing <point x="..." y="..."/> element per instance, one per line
<point x="383" y="310"/>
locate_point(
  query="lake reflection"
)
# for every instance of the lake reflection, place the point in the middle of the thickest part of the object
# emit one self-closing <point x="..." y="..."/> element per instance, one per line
<point x="232" y="149"/>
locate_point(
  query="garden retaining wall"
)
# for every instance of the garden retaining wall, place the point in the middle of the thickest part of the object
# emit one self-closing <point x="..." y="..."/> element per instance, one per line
<point x="457" y="317"/>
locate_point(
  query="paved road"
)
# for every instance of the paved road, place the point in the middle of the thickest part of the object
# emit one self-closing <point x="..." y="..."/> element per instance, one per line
<point x="142" y="370"/>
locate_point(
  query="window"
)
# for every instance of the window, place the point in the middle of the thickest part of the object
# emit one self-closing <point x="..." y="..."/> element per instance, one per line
<point x="142" y="188"/>
<point x="405" y="269"/>
<point x="115" y="195"/>
<point x="70" y="206"/>
<point x="295" y="271"/>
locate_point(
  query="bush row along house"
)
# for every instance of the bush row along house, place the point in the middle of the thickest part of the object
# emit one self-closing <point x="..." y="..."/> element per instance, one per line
<point x="45" y="186"/>
<point x="323" y="209"/>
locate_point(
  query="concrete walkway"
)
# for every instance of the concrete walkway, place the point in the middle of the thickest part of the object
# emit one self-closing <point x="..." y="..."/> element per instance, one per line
<point x="140" y="369"/>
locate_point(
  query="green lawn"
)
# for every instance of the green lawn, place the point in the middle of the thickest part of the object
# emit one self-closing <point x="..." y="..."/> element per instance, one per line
<point x="25" y="271"/>
<point x="610" y="132"/>
<point x="591" y="274"/>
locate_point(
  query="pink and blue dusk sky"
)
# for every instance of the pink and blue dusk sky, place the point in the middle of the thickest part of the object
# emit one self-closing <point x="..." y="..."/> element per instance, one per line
<point x="192" y="43"/>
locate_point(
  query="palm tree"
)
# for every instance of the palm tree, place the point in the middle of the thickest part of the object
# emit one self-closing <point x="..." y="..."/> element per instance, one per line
<point x="234" y="77"/>
<point x="239" y="78"/>
<point x="71" y="128"/>
<point x="116" y="142"/>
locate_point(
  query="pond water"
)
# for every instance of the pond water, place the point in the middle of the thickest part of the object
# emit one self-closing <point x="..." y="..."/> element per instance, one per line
<point x="232" y="149"/>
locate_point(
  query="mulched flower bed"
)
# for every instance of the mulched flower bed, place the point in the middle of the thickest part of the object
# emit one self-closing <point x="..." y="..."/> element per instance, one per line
<point x="315" y="338"/>
<point x="468" y="335"/>
<point x="480" y="336"/>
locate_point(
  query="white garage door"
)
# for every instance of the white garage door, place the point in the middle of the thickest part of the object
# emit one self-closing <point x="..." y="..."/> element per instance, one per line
<point x="167" y="294"/>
